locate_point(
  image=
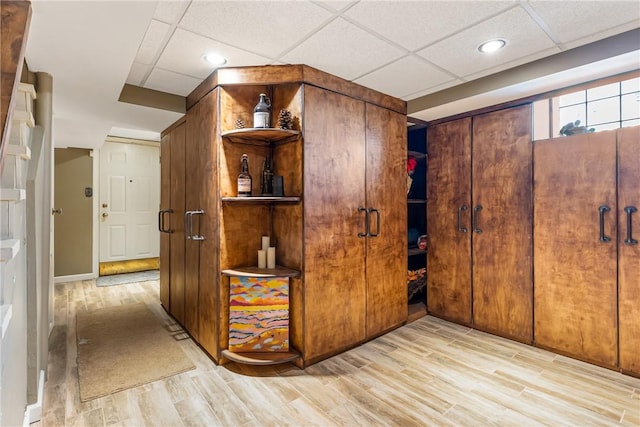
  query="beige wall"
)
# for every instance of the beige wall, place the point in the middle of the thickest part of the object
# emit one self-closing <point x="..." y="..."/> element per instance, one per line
<point x="73" y="228"/>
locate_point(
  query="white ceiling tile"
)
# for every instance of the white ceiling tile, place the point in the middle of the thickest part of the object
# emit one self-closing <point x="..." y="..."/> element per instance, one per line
<point x="354" y="52"/>
<point x="459" y="54"/>
<point x="569" y="21"/>
<point x="415" y="24"/>
<point x="404" y="76"/>
<point x="137" y="73"/>
<point x="167" y="81"/>
<point x="152" y="41"/>
<point x="336" y="4"/>
<point x="506" y="65"/>
<point x="267" y="28"/>
<point x="603" y="34"/>
<point x="170" y="11"/>
<point x="185" y="50"/>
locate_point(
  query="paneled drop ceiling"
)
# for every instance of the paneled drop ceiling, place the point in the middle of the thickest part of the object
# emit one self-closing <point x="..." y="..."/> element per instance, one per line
<point x="408" y="49"/>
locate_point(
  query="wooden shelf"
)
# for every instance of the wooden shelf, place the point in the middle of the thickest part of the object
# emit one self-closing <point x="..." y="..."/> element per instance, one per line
<point x="416" y="201"/>
<point x="253" y="271"/>
<point x="261" y="358"/>
<point x="262" y="199"/>
<point x="416" y="155"/>
<point x="261" y="136"/>
<point x="416" y="251"/>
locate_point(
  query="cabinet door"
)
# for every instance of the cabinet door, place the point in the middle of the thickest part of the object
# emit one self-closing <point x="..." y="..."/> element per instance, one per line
<point x="628" y="252"/>
<point x="386" y="267"/>
<point x="211" y="301"/>
<point x="334" y="190"/>
<point x="501" y="184"/>
<point x="165" y="205"/>
<point x="575" y="271"/>
<point x="449" y="195"/>
<point x="177" y="269"/>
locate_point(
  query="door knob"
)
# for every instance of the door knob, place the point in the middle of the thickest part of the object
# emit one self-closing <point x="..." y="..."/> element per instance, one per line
<point x="56" y="211"/>
<point x="105" y="214"/>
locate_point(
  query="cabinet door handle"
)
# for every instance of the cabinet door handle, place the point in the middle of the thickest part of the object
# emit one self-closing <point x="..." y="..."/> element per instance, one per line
<point x="187" y="215"/>
<point x="630" y="240"/>
<point x="366" y="222"/>
<point x="377" y="212"/>
<point x="602" y="209"/>
<point x="192" y="236"/>
<point x="460" y="227"/>
<point x="477" y="209"/>
<point x="161" y="220"/>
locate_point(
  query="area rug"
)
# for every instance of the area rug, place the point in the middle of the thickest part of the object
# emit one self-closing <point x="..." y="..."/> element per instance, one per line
<point x="120" y="279"/>
<point x="123" y="347"/>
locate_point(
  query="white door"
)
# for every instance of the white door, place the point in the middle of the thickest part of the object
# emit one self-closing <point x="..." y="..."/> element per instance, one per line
<point x="129" y="201"/>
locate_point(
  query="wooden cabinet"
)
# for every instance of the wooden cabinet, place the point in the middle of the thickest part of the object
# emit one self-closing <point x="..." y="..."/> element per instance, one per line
<point x="448" y="225"/>
<point x="479" y="222"/>
<point x="629" y="248"/>
<point x="587" y="287"/>
<point x="385" y="177"/>
<point x="172" y="206"/>
<point x="343" y="168"/>
<point x="354" y="268"/>
<point x="501" y="243"/>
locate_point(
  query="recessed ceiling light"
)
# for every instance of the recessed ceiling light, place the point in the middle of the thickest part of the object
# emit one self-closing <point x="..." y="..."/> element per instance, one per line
<point x="491" y="46"/>
<point x="215" y="59"/>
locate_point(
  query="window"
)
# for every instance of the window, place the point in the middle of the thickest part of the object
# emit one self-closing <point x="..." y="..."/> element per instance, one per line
<point x="610" y="106"/>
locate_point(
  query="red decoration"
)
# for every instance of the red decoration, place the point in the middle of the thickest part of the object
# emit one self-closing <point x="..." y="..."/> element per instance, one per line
<point x="411" y="165"/>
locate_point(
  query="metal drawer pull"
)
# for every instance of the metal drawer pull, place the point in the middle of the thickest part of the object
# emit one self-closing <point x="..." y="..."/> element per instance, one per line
<point x="630" y="240"/>
<point x="366" y="222"/>
<point x="460" y="227"/>
<point x="191" y="235"/>
<point x="377" y="212"/>
<point x="477" y="209"/>
<point x="602" y="209"/>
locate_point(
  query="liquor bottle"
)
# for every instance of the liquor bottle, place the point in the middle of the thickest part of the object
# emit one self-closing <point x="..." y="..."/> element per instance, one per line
<point x="262" y="112"/>
<point x="244" y="179"/>
<point x="267" y="178"/>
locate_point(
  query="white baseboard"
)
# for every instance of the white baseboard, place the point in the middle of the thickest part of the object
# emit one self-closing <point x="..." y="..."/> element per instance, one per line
<point x="33" y="413"/>
<point x="74" y="278"/>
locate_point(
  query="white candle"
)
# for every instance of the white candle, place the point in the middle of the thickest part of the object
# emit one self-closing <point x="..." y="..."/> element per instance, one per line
<point x="262" y="259"/>
<point x="265" y="243"/>
<point x="271" y="257"/>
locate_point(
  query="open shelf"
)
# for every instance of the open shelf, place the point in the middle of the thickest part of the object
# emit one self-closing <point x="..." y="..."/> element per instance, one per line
<point x="262" y="199"/>
<point x="253" y="271"/>
<point x="415" y="251"/>
<point x="416" y="201"/>
<point x="261" y="136"/>
<point x="416" y="155"/>
<point x="273" y="358"/>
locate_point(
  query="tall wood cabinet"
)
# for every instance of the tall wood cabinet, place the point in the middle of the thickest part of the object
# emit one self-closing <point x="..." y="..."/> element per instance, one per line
<point x="170" y="220"/>
<point x="587" y="268"/>
<point x="340" y="228"/>
<point x="479" y="222"/>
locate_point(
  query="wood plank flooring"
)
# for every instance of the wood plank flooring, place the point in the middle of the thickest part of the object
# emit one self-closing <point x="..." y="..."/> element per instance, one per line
<point x="429" y="372"/>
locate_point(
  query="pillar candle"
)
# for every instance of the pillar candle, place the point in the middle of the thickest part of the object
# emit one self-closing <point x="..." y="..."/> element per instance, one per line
<point x="271" y="257"/>
<point x="265" y="243"/>
<point x="262" y="259"/>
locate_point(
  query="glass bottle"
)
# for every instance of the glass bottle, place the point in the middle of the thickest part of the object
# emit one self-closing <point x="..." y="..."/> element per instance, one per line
<point x="267" y="178"/>
<point x="244" y="178"/>
<point x="262" y="112"/>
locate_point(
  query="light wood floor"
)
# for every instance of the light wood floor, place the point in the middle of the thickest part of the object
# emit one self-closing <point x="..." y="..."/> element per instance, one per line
<point x="429" y="372"/>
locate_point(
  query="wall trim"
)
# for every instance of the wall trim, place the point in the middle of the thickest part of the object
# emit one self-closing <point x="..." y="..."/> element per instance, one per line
<point x="33" y="412"/>
<point x="74" y="278"/>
